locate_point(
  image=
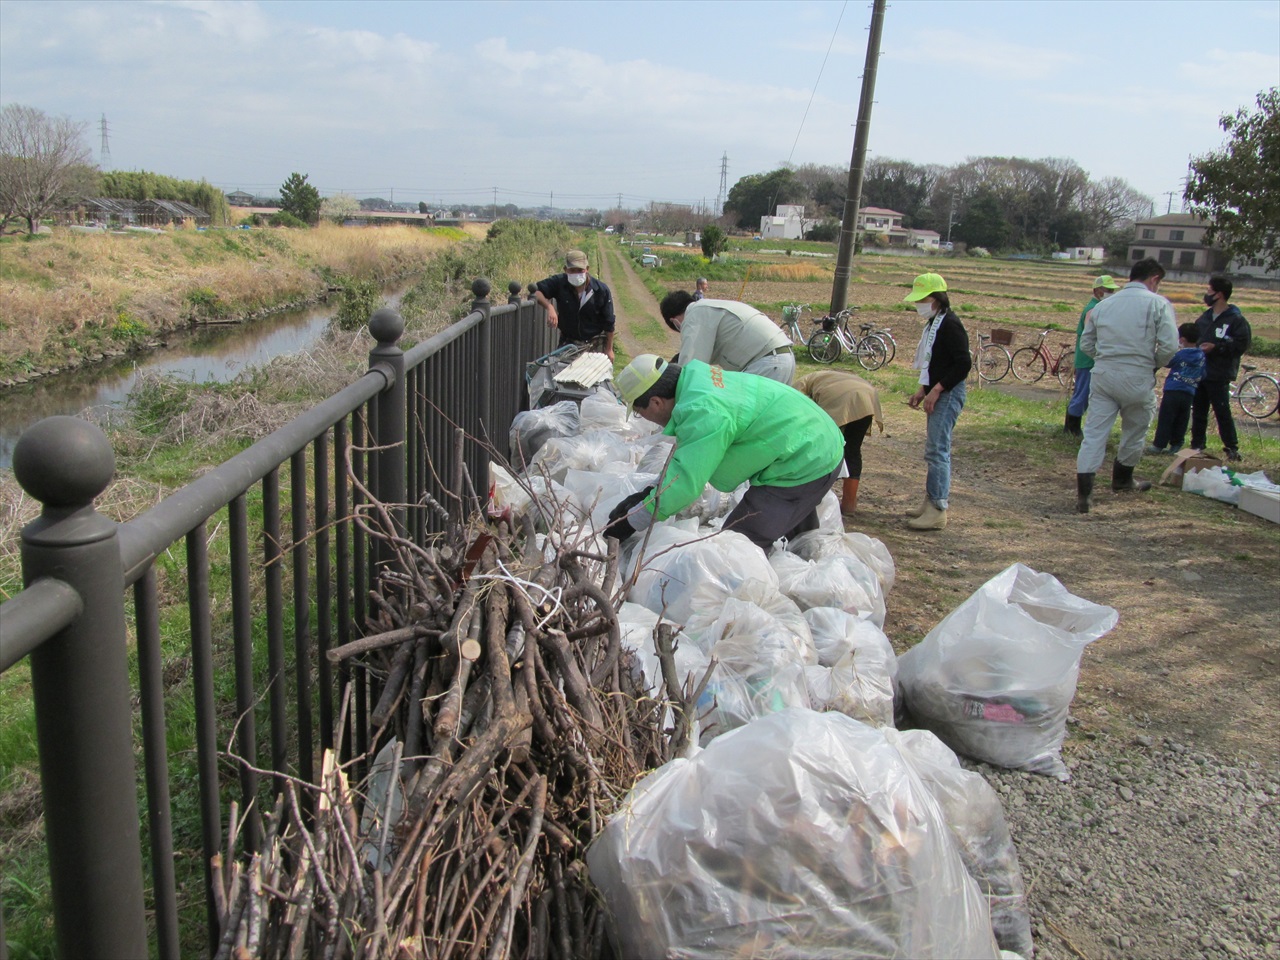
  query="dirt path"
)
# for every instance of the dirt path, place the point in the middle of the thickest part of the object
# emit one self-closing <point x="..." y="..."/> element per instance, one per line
<point x="640" y="328"/>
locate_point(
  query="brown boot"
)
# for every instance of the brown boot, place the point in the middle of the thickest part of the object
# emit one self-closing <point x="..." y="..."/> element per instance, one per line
<point x="849" y="497"/>
<point x="919" y="510"/>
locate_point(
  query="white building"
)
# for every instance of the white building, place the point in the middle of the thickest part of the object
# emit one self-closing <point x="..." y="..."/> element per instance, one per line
<point x="788" y="224"/>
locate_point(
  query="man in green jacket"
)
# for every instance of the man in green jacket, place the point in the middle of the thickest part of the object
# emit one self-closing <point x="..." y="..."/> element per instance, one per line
<point x="1103" y="287"/>
<point x="731" y="428"/>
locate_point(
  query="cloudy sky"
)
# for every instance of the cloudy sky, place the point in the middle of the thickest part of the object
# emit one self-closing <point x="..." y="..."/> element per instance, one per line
<point x="578" y="102"/>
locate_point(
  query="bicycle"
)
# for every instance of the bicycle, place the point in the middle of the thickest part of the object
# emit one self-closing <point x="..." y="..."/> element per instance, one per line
<point x="826" y="345"/>
<point x="791" y="314"/>
<point x="991" y="360"/>
<point x="885" y="335"/>
<point x="1258" y="394"/>
<point x="1029" y="364"/>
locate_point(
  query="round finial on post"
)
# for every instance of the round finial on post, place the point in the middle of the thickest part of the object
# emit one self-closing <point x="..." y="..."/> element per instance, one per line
<point x="64" y="461"/>
<point x="513" y="288"/>
<point x="386" y="325"/>
<point x="480" y="288"/>
<point x="533" y="288"/>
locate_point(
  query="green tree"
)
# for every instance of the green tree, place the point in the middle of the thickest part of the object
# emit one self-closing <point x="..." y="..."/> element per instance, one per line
<point x="984" y="223"/>
<point x="714" y="241"/>
<point x="299" y="198"/>
<point x="1237" y="188"/>
<point x="758" y="194"/>
<point x="44" y="164"/>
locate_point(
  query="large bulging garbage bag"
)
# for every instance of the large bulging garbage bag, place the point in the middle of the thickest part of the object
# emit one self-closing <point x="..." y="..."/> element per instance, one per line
<point x="530" y="429"/>
<point x="995" y="678"/>
<point x="800" y="835"/>
<point x="677" y="561"/>
<point x="976" y="818"/>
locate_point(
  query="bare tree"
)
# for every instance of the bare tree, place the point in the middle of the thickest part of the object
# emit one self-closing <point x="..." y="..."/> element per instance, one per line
<point x="339" y="206"/>
<point x="42" y="161"/>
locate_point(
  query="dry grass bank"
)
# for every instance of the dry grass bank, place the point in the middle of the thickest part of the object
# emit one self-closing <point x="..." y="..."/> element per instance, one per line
<point x="67" y="297"/>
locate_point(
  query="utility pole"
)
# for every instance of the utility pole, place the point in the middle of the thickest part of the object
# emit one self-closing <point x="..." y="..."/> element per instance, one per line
<point x="853" y="194"/>
<point x="494" y="214"/>
<point x="1170" y="194"/>
<point x="104" y="155"/>
<point x="951" y="217"/>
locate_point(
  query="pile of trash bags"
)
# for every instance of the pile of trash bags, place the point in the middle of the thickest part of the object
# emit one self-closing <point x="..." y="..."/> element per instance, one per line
<point x="803" y="823"/>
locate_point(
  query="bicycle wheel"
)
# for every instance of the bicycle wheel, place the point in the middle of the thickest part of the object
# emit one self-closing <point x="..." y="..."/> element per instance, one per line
<point x="1066" y="373"/>
<point x="824" y="347"/>
<point x="1258" y="396"/>
<point x="871" y="353"/>
<point x="993" y="362"/>
<point x="890" y="348"/>
<point x="1028" y="365"/>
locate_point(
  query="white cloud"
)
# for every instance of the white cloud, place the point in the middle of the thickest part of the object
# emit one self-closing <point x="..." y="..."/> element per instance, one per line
<point x="1229" y="70"/>
<point x="951" y="52"/>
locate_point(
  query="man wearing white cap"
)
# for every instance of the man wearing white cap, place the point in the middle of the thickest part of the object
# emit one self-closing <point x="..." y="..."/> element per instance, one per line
<point x="1103" y="287"/>
<point x="578" y="304"/>
<point x="730" y="428"/>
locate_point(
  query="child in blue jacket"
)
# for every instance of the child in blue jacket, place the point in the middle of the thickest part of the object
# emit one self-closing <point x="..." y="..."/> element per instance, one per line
<point x="1186" y="370"/>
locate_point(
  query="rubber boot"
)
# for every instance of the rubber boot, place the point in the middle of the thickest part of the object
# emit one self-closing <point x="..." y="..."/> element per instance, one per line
<point x="1122" y="480"/>
<point x="931" y="519"/>
<point x="917" y="511"/>
<point x="1072" y="426"/>
<point x="849" y="496"/>
<point x="1084" y="492"/>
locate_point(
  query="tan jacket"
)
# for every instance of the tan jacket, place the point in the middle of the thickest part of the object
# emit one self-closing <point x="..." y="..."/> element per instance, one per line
<point x="844" y="396"/>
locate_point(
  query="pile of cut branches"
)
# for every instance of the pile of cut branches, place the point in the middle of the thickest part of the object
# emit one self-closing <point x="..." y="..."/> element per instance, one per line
<point x="509" y="725"/>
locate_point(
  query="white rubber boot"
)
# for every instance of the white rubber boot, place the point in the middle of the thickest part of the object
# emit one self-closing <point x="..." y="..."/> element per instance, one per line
<point x="918" y="511"/>
<point x="931" y="519"/>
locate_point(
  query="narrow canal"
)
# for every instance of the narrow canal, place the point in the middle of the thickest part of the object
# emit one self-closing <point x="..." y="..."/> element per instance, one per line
<point x="213" y="354"/>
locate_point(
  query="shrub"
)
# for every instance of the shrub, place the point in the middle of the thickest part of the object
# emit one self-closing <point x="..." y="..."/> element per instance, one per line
<point x="284" y="218"/>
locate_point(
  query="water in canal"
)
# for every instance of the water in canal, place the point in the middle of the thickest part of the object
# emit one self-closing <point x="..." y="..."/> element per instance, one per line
<point x="207" y="355"/>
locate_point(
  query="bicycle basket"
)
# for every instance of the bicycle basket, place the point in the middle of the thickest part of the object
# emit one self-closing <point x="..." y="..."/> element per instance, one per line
<point x="790" y="313"/>
<point x="828" y="324"/>
<point x="1002" y="337"/>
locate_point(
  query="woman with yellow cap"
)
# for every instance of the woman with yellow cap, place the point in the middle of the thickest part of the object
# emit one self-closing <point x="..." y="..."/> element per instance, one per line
<point x="942" y="357"/>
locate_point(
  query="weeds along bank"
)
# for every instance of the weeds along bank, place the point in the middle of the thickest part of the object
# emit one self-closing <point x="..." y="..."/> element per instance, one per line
<point x="71" y="298"/>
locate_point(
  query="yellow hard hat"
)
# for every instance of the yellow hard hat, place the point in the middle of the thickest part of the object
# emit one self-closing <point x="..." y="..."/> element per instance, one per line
<point x="638" y="376"/>
<point x="925" y="284"/>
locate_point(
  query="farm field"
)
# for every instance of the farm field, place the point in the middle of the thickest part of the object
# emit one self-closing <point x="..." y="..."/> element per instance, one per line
<point x="1192" y="668"/>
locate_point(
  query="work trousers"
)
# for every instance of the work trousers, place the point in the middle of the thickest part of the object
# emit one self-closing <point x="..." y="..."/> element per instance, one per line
<point x="766" y="514"/>
<point x="1216" y="394"/>
<point x="1080" y="395"/>
<point x="775" y="366"/>
<point x="1125" y="393"/>
<point x="854" y="433"/>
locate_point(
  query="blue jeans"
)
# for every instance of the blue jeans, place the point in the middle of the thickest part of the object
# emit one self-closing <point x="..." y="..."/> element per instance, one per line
<point x="937" y="444"/>
<point x="1080" y="396"/>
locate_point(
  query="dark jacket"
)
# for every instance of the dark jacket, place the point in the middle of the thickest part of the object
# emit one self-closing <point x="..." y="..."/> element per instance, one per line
<point x="950" y="361"/>
<point x="1230" y="335"/>
<point x="578" y="325"/>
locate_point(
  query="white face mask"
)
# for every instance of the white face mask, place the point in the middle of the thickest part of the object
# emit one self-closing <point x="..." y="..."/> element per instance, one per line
<point x="577" y="279"/>
<point x="925" y="310"/>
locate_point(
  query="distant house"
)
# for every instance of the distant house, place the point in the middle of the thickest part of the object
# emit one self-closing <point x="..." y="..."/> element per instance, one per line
<point x="1087" y="254"/>
<point x="879" y="222"/>
<point x="786" y="224"/>
<point x="1176" y="240"/>
<point x="238" y="198"/>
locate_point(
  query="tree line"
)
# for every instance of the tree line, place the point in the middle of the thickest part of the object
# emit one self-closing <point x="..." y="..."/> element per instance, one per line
<point x="993" y="202"/>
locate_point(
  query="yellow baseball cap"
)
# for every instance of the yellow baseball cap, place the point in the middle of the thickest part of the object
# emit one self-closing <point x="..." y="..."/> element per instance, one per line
<point x="924" y="285"/>
<point x="1106" y="283"/>
<point x="638" y="376"/>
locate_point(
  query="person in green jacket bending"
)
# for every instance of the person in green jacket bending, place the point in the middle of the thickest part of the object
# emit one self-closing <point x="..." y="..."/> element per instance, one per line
<point x="731" y="428"/>
<point x="1103" y="287"/>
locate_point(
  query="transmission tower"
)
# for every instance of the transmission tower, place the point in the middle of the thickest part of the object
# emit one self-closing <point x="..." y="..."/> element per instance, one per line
<point x="724" y="185"/>
<point x="104" y="155"/>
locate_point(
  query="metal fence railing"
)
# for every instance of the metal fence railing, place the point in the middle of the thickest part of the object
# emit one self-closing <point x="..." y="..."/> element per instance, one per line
<point x="275" y="527"/>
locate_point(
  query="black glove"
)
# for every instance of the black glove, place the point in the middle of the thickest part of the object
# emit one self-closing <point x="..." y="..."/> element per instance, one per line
<point x="620" y="527"/>
<point x="623" y="506"/>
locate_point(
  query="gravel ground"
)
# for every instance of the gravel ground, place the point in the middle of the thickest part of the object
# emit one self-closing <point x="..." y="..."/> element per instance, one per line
<point x="1151" y="850"/>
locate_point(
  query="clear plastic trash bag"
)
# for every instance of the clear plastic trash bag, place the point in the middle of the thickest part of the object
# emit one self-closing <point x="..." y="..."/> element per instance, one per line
<point x="973" y="812"/>
<point x="802" y="835"/>
<point x="532" y="428"/>
<point x="996" y="677"/>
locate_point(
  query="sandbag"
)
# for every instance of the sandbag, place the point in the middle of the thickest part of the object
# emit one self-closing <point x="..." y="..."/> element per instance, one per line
<point x="995" y="678"/>
<point x="800" y="835"/>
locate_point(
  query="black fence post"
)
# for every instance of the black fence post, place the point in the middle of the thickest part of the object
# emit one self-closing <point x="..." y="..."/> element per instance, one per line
<point x="386" y="327"/>
<point x="513" y="293"/>
<point x="480" y="288"/>
<point x="80" y="682"/>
